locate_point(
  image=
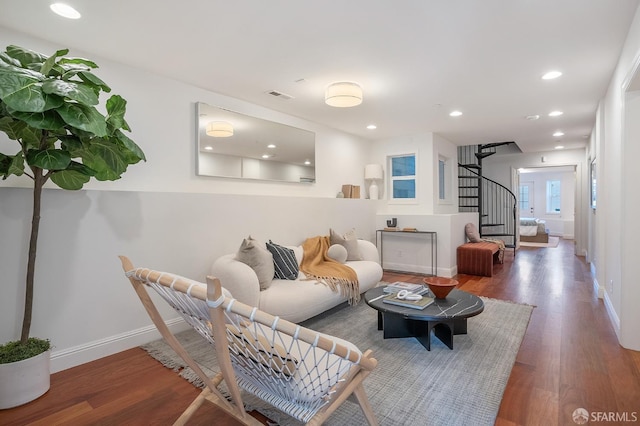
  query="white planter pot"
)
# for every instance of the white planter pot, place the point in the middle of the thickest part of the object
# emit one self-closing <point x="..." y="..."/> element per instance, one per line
<point x="23" y="381"/>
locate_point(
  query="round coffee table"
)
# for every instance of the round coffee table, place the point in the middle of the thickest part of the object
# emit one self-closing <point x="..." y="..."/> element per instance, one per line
<point x="446" y="317"/>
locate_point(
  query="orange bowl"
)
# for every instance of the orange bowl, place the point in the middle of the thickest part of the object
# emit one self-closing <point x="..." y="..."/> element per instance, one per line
<point x="440" y="286"/>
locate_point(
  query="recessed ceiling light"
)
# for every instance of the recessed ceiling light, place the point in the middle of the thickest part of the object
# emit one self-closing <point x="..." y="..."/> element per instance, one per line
<point x="266" y="156"/>
<point x="271" y="146"/>
<point x="455" y="113"/>
<point x="551" y="75"/>
<point x="307" y="162"/>
<point x="559" y="147"/>
<point x="533" y="117"/>
<point x="208" y="148"/>
<point x="65" y="11"/>
<point x="372" y="127"/>
<point x="555" y="113"/>
<point x="558" y="133"/>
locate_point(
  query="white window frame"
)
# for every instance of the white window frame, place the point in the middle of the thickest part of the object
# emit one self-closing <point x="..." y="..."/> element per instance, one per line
<point x="448" y="180"/>
<point x="392" y="179"/>
<point x="548" y="197"/>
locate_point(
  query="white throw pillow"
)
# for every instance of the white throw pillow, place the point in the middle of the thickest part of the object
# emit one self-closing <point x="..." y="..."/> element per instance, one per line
<point x="338" y="253"/>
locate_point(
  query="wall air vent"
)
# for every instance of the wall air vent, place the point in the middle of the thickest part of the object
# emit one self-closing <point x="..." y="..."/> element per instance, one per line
<point x="280" y="95"/>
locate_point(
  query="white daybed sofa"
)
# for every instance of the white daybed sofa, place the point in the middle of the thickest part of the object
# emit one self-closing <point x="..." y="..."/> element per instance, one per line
<point x="299" y="299"/>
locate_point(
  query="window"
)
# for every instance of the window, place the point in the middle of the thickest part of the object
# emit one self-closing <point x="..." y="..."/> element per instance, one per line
<point x="524" y="198"/>
<point x="403" y="177"/>
<point x="441" y="179"/>
<point x="553" y="197"/>
<point x="445" y="185"/>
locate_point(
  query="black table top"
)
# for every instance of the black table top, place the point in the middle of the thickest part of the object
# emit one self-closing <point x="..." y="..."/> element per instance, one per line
<point x="458" y="304"/>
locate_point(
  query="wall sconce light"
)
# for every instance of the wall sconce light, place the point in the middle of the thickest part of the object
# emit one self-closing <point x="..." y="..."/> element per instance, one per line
<point x="219" y="129"/>
<point x="343" y="94"/>
<point x="374" y="173"/>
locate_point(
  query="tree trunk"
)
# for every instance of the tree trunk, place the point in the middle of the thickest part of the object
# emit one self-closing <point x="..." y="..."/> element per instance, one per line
<point x="38" y="182"/>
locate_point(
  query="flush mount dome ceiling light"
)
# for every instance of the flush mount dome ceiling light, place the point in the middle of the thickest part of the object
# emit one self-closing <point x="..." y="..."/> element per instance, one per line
<point x="65" y="11"/>
<point x="219" y="129"/>
<point x="551" y="75"/>
<point x="343" y="94"/>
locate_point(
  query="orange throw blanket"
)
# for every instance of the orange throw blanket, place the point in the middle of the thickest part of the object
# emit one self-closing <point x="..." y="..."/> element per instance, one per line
<point x="318" y="266"/>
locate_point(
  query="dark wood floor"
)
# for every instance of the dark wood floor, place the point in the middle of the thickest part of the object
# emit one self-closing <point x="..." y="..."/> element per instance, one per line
<point x="570" y="358"/>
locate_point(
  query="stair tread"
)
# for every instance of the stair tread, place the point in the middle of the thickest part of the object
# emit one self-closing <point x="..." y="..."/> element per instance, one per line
<point x="496" y="234"/>
<point x="492" y="224"/>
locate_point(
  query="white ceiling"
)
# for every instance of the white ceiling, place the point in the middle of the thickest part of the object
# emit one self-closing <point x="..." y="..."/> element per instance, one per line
<point x="416" y="59"/>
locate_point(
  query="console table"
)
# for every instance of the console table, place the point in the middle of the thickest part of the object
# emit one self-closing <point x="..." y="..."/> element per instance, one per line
<point x="433" y="240"/>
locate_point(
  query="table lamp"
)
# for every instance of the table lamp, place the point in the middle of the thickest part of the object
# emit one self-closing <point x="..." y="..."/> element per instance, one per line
<point x="373" y="173"/>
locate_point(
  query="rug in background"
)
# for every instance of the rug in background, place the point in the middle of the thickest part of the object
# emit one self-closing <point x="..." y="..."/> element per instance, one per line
<point x="553" y="243"/>
<point x="410" y="386"/>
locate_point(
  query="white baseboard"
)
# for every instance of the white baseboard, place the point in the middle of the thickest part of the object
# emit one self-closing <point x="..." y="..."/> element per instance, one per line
<point x="597" y="288"/>
<point x="419" y="269"/>
<point x="71" y="357"/>
<point x="613" y="316"/>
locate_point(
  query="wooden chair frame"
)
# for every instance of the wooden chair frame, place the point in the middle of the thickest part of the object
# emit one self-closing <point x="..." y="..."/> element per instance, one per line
<point x="350" y="384"/>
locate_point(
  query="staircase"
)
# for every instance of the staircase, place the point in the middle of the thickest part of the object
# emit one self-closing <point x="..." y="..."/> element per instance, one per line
<point x="495" y="204"/>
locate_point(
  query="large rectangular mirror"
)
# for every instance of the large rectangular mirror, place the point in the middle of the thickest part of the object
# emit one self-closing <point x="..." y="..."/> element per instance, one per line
<point x="236" y="145"/>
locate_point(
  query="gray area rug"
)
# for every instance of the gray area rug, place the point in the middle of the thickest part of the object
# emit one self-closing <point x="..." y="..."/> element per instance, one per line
<point x="410" y="386"/>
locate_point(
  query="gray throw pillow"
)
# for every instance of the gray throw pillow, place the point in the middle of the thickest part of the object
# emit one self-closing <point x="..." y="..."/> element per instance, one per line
<point x="348" y="241"/>
<point x="472" y="233"/>
<point x="254" y="253"/>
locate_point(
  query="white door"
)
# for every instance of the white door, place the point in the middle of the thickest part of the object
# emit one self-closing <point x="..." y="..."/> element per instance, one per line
<point x="525" y="199"/>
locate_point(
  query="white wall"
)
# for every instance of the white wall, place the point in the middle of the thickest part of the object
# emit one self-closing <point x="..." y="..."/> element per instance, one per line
<point x="615" y="148"/>
<point x="160" y="214"/>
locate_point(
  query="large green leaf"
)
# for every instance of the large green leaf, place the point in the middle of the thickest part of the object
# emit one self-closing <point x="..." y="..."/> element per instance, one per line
<point x="84" y="117"/>
<point x="69" y="179"/>
<point x="47" y="66"/>
<point x="131" y="146"/>
<point x="116" y="107"/>
<point x="71" y="90"/>
<point x="11" y="68"/>
<point x="5" y="162"/>
<point x="93" y="80"/>
<point x="49" y="159"/>
<point x="21" y="92"/>
<point x="11" y="165"/>
<point x="48" y="120"/>
<point x="78" y="61"/>
<point x="25" y="56"/>
<point x="16" y="167"/>
<point x="106" y="159"/>
<point x="9" y="60"/>
<point x="73" y="145"/>
<point x="12" y="128"/>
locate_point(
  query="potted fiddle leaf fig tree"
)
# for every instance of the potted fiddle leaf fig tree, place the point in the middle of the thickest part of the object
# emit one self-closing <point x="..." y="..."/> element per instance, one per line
<point x="49" y="107"/>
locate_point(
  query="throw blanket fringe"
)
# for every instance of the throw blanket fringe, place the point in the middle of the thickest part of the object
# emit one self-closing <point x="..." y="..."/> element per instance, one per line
<point x="317" y="265"/>
<point x="501" y="247"/>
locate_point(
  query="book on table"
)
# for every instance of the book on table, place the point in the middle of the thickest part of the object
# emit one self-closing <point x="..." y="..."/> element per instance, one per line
<point x="398" y="286"/>
<point x="392" y="299"/>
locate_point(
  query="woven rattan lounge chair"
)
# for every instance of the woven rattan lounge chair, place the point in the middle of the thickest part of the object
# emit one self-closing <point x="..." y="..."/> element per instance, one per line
<point x="303" y="373"/>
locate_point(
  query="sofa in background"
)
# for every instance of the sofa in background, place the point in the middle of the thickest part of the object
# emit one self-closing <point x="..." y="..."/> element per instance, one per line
<point x="298" y="299"/>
